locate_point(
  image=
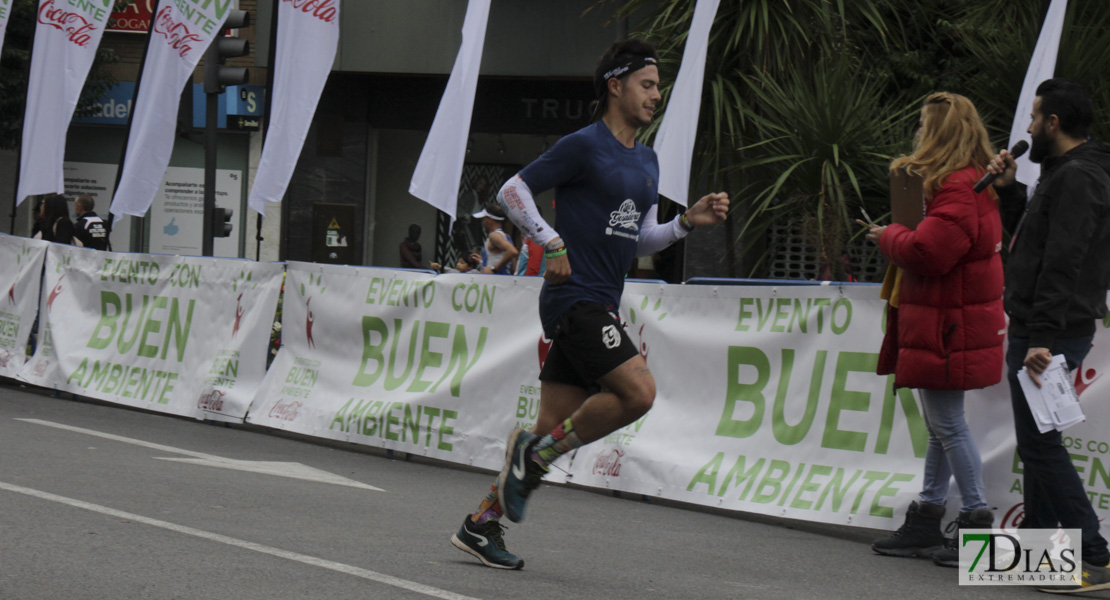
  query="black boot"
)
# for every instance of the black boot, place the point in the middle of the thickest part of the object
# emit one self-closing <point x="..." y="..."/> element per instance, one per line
<point x="919" y="536"/>
<point x="949" y="556"/>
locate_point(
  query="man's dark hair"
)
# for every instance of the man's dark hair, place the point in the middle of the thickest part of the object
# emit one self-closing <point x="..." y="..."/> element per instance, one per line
<point x="632" y="50"/>
<point x="85" y="201"/>
<point x="1070" y="103"/>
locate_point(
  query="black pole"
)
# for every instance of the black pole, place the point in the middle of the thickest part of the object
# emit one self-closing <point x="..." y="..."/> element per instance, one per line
<point x="127" y="130"/>
<point x="19" y="150"/>
<point x="272" y="52"/>
<point x="212" y="106"/>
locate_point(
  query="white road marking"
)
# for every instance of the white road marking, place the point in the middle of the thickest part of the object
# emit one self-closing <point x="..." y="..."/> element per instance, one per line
<point x="230" y="541"/>
<point x="280" y="469"/>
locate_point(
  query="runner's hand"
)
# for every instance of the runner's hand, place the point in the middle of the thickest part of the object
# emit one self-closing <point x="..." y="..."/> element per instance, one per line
<point x="558" y="270"/>
<point x="709" y="210"/>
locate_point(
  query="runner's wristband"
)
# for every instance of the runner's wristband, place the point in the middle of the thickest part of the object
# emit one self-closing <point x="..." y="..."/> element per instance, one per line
<point x="556" y="253"/>
<point x="684" y="222"/>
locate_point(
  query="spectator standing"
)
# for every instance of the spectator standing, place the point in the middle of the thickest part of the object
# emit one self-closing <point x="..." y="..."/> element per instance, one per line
<point x="498" y="253"/>
<point x="90" y="229"/>
<point x="1056" y="282"/>
<point x="412" y="256"/>
<point x="56" y="226"/>
<point x="945" y="334"/>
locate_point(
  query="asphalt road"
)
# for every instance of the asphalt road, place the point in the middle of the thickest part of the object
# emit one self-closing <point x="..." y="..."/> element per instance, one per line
<point x="104" y="503"/>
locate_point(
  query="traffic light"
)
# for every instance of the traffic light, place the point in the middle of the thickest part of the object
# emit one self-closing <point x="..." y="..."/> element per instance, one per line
<point x="216" y="75"/>
<point x="221" y="222"/>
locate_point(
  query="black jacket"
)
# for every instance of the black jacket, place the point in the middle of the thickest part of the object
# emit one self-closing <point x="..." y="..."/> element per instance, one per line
<point x="1059" y="267"/>
<point x="92" y="231"/>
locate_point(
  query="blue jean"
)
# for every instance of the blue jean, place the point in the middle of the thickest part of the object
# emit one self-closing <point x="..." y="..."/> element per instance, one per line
<point x="1053" y="493"/>
<point x="951" y="451"/>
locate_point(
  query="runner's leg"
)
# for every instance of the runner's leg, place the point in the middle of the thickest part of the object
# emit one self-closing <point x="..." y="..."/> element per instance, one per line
<point x="557" y="402"/>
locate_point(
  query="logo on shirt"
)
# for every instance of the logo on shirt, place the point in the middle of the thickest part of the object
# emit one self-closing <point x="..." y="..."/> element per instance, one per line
<point x="626" y="216"/>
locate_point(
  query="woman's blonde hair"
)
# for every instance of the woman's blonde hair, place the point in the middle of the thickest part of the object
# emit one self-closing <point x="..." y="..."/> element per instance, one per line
<point x="952" y="137"/>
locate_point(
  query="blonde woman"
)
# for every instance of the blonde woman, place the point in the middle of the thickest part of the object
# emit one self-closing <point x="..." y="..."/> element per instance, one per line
<point x="947" y="334"/>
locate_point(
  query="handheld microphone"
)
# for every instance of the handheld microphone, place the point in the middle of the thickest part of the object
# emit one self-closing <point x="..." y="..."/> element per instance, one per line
<point x="1018" y="149"/>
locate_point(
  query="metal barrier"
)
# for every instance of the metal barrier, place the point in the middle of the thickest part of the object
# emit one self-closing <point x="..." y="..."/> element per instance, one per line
<point x="769" y="282"/>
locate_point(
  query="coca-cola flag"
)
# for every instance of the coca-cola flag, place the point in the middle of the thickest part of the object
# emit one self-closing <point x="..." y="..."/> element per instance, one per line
<point x="307" y="38"/>
<point x="5" y="14"/>
<point x="177" y="43"/>
<point x="437" y="174"/>
<point x="66" y="37"/>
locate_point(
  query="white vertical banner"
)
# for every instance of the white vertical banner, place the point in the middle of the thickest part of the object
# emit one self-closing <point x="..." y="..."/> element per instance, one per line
<point x="1041" y="67"/>
<point x="5" y="14"/>
<point x="20" y="279"/>
<point x="437" y="174"/>
<point x="66" y="37"/>
<point x="674" y="143"/>
<point x="177" y="43"/>
<point x="307" y="38"/>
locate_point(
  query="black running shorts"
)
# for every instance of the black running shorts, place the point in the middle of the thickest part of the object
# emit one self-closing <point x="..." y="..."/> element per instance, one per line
<point x="589" y="342"/>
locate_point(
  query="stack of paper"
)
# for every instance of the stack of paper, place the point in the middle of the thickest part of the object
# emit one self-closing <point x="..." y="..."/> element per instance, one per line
<point x="1055" y="405"/>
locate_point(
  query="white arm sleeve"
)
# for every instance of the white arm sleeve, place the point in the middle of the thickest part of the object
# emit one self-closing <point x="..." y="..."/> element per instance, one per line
<point x="516" y="200"/>
<point x="654" y="237"/>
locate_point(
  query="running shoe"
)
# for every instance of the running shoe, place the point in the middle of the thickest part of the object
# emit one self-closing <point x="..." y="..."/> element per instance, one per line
<point x="520" y="475"/>
<point x="486" y="542"/>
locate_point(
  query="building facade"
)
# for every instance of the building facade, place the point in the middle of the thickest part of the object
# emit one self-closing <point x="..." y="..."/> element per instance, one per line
<point x="353" y="175"/>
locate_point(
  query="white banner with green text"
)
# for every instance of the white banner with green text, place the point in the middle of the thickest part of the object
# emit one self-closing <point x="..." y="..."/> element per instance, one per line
<point x="181" y="335"/>
<point x="768" y="403"/>
<point x="442" y="366"/>
<point x="20" y="281"/>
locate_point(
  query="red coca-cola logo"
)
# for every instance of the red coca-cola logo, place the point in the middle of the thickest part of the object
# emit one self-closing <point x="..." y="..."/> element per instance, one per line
<point x="1012" y="519"/>
<point x="40" y="368"/>
<point x="212" y="401"/>
<point x="1084" y="379"/>
<point x="608" y="463"/>
<point x="286" y="411"/>
<point x="177" y="34"/>
<point x="325" y="10"/>
<point x="77" y="28"/>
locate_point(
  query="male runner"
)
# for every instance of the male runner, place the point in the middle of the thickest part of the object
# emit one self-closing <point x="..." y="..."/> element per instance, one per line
<point x="594" y="380"/>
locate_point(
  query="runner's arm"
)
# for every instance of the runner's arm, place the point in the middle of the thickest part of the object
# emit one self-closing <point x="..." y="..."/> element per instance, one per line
<point x="655" y="236"/>
<point x="516" y="200"/>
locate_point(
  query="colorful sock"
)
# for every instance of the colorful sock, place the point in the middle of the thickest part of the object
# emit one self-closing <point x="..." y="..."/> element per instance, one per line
<point x="555" y="444"/>
<point x="489" y="509"/>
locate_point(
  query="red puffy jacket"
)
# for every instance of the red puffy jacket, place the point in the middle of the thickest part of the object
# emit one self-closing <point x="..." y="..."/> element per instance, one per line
<point x="948" y="329"/>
